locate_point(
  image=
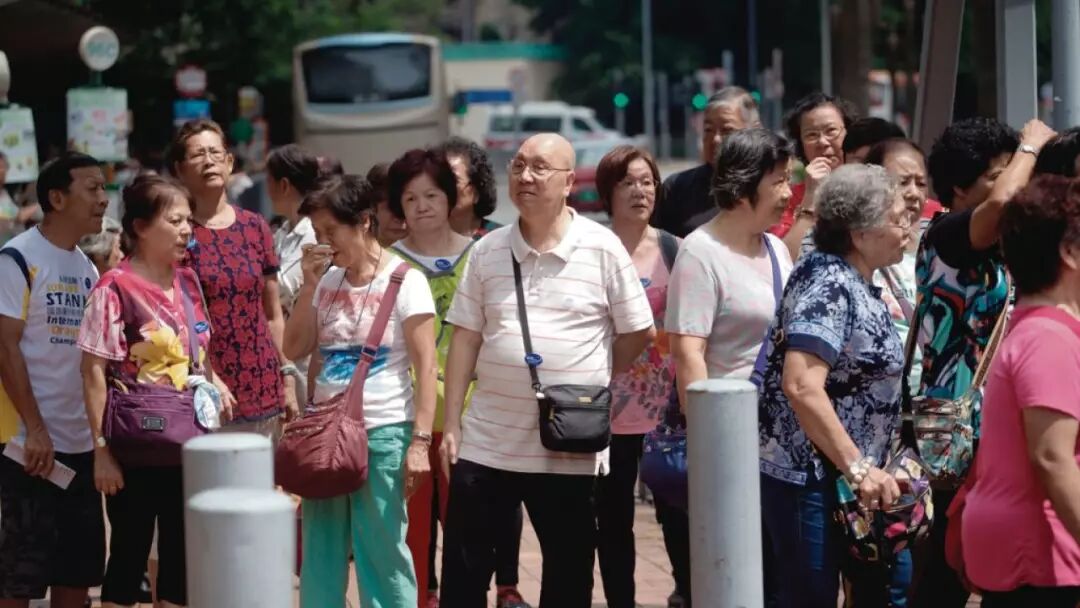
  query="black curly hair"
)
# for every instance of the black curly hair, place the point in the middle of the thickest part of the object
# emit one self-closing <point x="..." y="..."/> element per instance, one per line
<point x="742" y="162"/>
<point x="1059" y="155"/>
<point x="870" y="131"/>
<point x="481" y="174"/>
<point x="964" y="152"/>
<point x="811" y="102"/>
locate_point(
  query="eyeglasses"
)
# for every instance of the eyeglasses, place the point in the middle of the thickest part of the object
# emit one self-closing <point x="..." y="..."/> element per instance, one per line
<point x="214" y="154"/>
<point x="540" y="171"/>
<point x="904" y="224"/>
<point x="831" y="134"/>
<point x="644" y="184"/>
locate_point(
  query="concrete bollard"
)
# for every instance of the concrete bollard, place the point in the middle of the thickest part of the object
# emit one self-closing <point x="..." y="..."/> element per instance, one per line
<point x="235" y="460"/>
<point x="725" y="505"/>
<point x="241" y="543"/>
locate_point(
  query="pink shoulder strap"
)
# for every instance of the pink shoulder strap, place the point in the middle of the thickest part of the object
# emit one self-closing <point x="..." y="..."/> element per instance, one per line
<point x="354" y="395"/>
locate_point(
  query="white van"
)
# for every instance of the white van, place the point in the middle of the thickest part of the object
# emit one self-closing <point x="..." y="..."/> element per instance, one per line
<point x="575" y="123"/>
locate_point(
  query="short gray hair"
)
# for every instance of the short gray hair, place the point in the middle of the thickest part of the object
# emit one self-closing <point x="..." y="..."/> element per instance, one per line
<point x="853" y="197"/>
<point x="737" y="98"/>
<point x="101" y="244"/>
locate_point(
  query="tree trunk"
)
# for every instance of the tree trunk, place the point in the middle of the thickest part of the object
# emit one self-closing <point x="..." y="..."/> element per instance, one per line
<point x="853" y="51"/>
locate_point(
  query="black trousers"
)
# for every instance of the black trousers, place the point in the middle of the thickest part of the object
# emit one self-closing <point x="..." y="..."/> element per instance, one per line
<point x="675" y="525"/>
<point x="150" y="494"/>
<point x="561" y="510"/>
<point x="936" y="584"/>
<point x="615" y="521"/>
<point x="1025" y="597"/>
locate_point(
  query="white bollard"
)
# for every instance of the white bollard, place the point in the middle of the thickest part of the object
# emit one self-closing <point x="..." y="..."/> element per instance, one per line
<point x="725" y="503"/>
<point x="241" y="547"/>
<point x="235" y="460"/>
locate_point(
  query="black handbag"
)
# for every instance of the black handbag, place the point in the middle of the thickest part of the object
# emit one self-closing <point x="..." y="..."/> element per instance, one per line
<point x="573" y="417"/>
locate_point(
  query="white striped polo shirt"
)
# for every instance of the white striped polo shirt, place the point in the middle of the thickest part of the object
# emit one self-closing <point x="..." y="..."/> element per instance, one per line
<point x="579" y="296"/>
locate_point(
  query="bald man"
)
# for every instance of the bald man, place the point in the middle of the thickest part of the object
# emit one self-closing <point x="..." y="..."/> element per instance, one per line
<point x="588" y="318"/>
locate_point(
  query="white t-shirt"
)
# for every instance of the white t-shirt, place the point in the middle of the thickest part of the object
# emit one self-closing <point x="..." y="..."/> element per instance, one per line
<point x="725" y="297"/>
<point x="288" y="243"/>
<point x="53" y="310"/>
<point x="344" y="314"/>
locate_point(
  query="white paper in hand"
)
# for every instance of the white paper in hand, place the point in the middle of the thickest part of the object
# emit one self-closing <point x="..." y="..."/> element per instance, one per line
<point x="61" y="475"/>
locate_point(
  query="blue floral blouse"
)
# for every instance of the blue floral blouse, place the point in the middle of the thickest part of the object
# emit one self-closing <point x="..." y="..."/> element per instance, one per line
<point x="830" y="311"/>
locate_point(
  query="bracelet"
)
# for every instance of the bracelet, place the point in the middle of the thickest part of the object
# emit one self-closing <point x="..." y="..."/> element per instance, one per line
<point x="290" y="369"/>
<point x="422" y="437"/>
<point x="858" y="470"/>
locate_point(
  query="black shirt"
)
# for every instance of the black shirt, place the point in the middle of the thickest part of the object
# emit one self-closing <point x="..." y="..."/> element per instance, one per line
<point x="685" y="203"/>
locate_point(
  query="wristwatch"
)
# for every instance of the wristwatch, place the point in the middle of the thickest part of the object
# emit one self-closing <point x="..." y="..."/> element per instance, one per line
<point x="1030" y="149"/>
<point x="100" y="441"/>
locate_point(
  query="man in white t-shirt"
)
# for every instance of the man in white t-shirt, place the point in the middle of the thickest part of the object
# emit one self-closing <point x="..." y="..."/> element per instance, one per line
<point x="588" y="317"/>
<point x="50" y="537"/>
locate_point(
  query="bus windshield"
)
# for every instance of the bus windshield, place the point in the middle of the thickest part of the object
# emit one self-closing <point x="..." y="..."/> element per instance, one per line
<point x="367" y="74"/>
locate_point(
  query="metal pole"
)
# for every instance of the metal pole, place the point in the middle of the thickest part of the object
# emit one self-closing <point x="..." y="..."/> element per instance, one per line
<point x="620" y="112"/>
<point x="688" y="122"/>
<point x="751" y="43"/>
<point x="649" y="98"/>
<point x="942" y="25"/>
<point x="665" y="109"/>
<point x="241" y="548"/>
<point x="235" y="460"/>
<point x="468" y="21"/>
<point x="1066" y="70"/>
<point x="825" y="15"/>
<point x="725" y="525"/>
<point x="1015" y="37"/>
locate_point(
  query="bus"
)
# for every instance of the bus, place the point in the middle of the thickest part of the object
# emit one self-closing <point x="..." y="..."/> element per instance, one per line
<point x="367" y="98"/>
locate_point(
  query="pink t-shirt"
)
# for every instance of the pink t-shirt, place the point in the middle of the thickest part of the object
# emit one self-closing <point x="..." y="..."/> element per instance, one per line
<point x="1012" y="535"/>
<point x="640" y="394"/>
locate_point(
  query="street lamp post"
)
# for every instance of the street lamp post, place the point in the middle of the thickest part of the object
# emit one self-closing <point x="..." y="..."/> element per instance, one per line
<point x="1066" y="48"/>
<point x="649" y="98"/>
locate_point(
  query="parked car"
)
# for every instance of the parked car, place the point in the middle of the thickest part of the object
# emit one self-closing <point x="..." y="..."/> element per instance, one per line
<point x="575" y="123"/>
<point x="583" y="194"/>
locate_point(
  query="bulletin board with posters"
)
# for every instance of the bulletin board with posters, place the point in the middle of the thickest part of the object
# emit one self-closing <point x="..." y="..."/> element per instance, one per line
<point x="19" y="145"/>
<point x="97" y="122"/>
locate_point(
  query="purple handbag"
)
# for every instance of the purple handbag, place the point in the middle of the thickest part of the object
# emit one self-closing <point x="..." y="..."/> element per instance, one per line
<point x="148" y="424"/>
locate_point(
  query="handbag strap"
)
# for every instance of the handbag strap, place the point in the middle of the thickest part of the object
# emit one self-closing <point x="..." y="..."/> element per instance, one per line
<point x="995" y="340"/>
<point x="354" y="394"/>
<point x="778" y="292"/>
<point x="531" y="358"/>
<point x="189" y="314"/>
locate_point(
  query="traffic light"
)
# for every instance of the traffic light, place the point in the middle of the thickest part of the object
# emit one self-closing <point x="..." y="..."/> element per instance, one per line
<point x="699" y="101"/>
<point x="621" y="100"/>
<point x="460" y="103"/>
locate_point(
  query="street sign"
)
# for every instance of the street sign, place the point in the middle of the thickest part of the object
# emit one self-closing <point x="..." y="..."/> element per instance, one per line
<point x="99" y="48"/>
<point x="97" y="122"/>
<point x="190" y="81"/>
<point x="189" y="109"/>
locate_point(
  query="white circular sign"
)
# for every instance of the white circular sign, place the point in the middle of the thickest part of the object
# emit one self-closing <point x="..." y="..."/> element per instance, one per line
<point x="99" y="48"/>
<point x="190" y="81"/>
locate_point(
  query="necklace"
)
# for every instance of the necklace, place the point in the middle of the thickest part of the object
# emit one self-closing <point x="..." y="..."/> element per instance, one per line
<point x="363" y="306"/>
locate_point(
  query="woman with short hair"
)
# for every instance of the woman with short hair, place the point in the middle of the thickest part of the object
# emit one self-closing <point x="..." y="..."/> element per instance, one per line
<point x="829" y="398"/>
<point x="1021" y="524"/>
<point x="345" y="280"/>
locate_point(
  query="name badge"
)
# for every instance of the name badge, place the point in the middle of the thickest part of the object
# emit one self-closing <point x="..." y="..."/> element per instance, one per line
<point x="646" y="282"/>
<point x="533" y="360"/>
<point x="201" y="327"/>
<point x="443" y="264"/>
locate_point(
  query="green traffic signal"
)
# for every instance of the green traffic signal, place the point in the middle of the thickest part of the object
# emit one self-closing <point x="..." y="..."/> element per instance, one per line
<point x="699" y="101"/>
<point x="621" y="100"/>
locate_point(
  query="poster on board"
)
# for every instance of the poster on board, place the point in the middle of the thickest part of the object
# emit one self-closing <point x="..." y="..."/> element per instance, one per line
<point x="19" y="145"/>
<point x="97" y="122"/>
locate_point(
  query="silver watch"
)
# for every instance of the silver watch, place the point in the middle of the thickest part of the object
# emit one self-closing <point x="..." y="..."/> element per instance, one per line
<point x="1030" y="149"/>
<point x="100" y="441"/>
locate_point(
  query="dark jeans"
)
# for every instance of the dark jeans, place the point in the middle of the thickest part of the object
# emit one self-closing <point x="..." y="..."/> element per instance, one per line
<point x="615" y="520"/>
<point x="936" y="584"/>
<point x="806" y="550"/>
<point x="675" y="524"/>
<point x="561" y="510"/>
<point x="1029" y="597"/>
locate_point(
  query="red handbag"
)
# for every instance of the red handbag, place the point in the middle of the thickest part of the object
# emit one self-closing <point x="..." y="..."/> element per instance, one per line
<point x="324" y="454"/>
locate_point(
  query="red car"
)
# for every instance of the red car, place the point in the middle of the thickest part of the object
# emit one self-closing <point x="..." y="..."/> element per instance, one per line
<point x="583" y="194"/>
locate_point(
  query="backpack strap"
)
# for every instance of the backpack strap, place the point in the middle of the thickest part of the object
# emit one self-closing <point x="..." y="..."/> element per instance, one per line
<point x="669" y="247"/>
<point x="20" y="261"/>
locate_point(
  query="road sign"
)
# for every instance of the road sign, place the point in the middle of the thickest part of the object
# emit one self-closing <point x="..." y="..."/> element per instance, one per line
<point x="99" y="48"/>
<point x="190" y="81"/>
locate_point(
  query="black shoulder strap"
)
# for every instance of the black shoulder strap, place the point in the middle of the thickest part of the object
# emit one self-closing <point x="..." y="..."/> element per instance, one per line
<point x="523" y="317"/>
<point x="20" y="261"/>
<point x="669" y="247"/>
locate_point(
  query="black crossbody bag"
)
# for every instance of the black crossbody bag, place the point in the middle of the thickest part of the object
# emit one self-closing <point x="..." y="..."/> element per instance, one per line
<point x="573" y="417"/>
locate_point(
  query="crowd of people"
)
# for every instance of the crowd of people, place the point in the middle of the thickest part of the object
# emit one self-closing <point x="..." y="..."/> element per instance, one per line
<point x="856" y="303"/>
